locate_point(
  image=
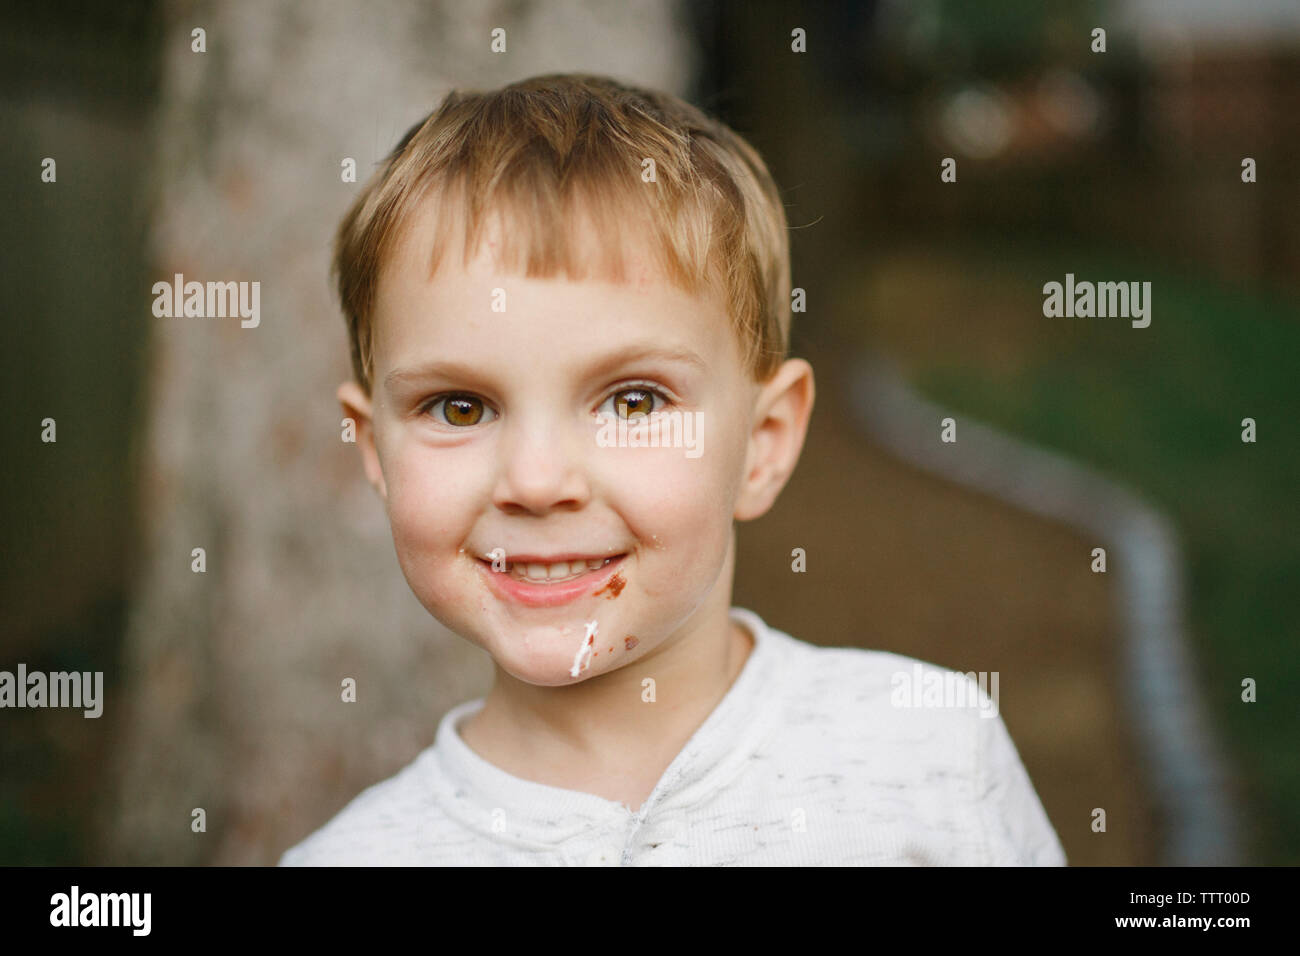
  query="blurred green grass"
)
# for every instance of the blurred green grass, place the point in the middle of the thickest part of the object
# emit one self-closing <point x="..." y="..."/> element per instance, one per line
<point x="1160" y="409"/>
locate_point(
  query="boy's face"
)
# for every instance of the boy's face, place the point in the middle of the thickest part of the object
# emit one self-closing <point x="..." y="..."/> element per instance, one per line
<point x="485" y="428"/>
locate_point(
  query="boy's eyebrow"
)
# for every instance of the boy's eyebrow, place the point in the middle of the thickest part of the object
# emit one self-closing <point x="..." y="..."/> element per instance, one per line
<point x="417" y="373"/>
<point x="639" y="352"/>
<point x="630" y="353"/>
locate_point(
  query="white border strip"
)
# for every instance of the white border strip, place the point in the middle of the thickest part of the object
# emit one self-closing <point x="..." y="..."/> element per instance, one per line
<point x="1193" y="790"/>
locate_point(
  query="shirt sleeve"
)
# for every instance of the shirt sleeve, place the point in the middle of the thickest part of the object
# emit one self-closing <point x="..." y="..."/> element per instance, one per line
<point x="1014" y="821"/>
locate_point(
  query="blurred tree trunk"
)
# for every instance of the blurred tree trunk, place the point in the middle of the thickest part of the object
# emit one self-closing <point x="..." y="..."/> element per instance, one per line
<point x="234" y="674"/>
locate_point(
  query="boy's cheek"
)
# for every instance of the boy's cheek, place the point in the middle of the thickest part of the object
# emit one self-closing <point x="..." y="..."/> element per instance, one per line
<point x="680" y="518"/>
<point x="668" y="501"/>
<point x="425" y="515"/>
<point x="424" y="553"/>
<point x="671" y="484"/>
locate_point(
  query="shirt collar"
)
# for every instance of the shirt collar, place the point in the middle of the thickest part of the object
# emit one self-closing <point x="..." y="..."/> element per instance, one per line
<point x="471" y="790"/>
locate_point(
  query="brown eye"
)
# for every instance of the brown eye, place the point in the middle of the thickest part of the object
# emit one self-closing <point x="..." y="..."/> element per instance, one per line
<point x="633" y="402"/>
<point x="459" y="410"/>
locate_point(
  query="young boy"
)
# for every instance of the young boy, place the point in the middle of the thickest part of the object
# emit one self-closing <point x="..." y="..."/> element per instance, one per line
<point x="568" y="303"/>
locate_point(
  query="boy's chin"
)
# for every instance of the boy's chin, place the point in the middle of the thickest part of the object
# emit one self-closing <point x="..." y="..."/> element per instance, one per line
<point x="542" y="677"/>
<point x="556" y="656"/>
<point x="546" y="654"/>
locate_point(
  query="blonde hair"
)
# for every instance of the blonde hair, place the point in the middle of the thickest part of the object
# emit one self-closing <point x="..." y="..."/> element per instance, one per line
<point x="539" y="150"/>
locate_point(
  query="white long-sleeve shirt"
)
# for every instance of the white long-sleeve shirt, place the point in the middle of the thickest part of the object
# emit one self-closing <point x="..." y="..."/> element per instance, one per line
<point x="815" y="756"/>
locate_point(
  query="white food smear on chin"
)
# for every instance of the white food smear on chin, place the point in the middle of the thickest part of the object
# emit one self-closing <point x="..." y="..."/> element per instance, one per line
<point x="579" y="663"/>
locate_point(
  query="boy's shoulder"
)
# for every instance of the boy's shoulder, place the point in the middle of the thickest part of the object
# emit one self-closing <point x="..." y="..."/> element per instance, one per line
<point x="927" y="715"/>
<point x="388" y="823"/>
<point x="896" y="717"/>
<point x="921" y="737"/>
<point x="834" y="680"/>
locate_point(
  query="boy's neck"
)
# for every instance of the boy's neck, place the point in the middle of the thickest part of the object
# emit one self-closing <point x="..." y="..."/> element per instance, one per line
<point x="600" y="736"/>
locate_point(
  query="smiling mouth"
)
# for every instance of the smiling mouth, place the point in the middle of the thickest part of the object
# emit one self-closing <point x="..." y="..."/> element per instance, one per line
<point x="552" y="572"/>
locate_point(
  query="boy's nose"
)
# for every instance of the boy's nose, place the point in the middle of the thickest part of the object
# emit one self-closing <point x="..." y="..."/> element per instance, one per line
<point x="542" y="468"/>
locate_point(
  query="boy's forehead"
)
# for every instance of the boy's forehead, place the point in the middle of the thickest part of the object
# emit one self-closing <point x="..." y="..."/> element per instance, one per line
<point x="600" y="253"/>
<point x="642" y="304"/>
<point x="619" y="258"/>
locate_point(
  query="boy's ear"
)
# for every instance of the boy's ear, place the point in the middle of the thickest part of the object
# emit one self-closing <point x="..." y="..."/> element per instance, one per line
<point x="781" y="415"/>
<point x="357" y="406"/>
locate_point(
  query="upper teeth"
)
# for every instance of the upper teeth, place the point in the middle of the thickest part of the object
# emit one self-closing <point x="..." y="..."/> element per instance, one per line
<point x="561" y="569"/>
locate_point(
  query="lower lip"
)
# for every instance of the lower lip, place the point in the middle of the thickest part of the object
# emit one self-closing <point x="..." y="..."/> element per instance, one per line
<point x="509" y="588"/>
